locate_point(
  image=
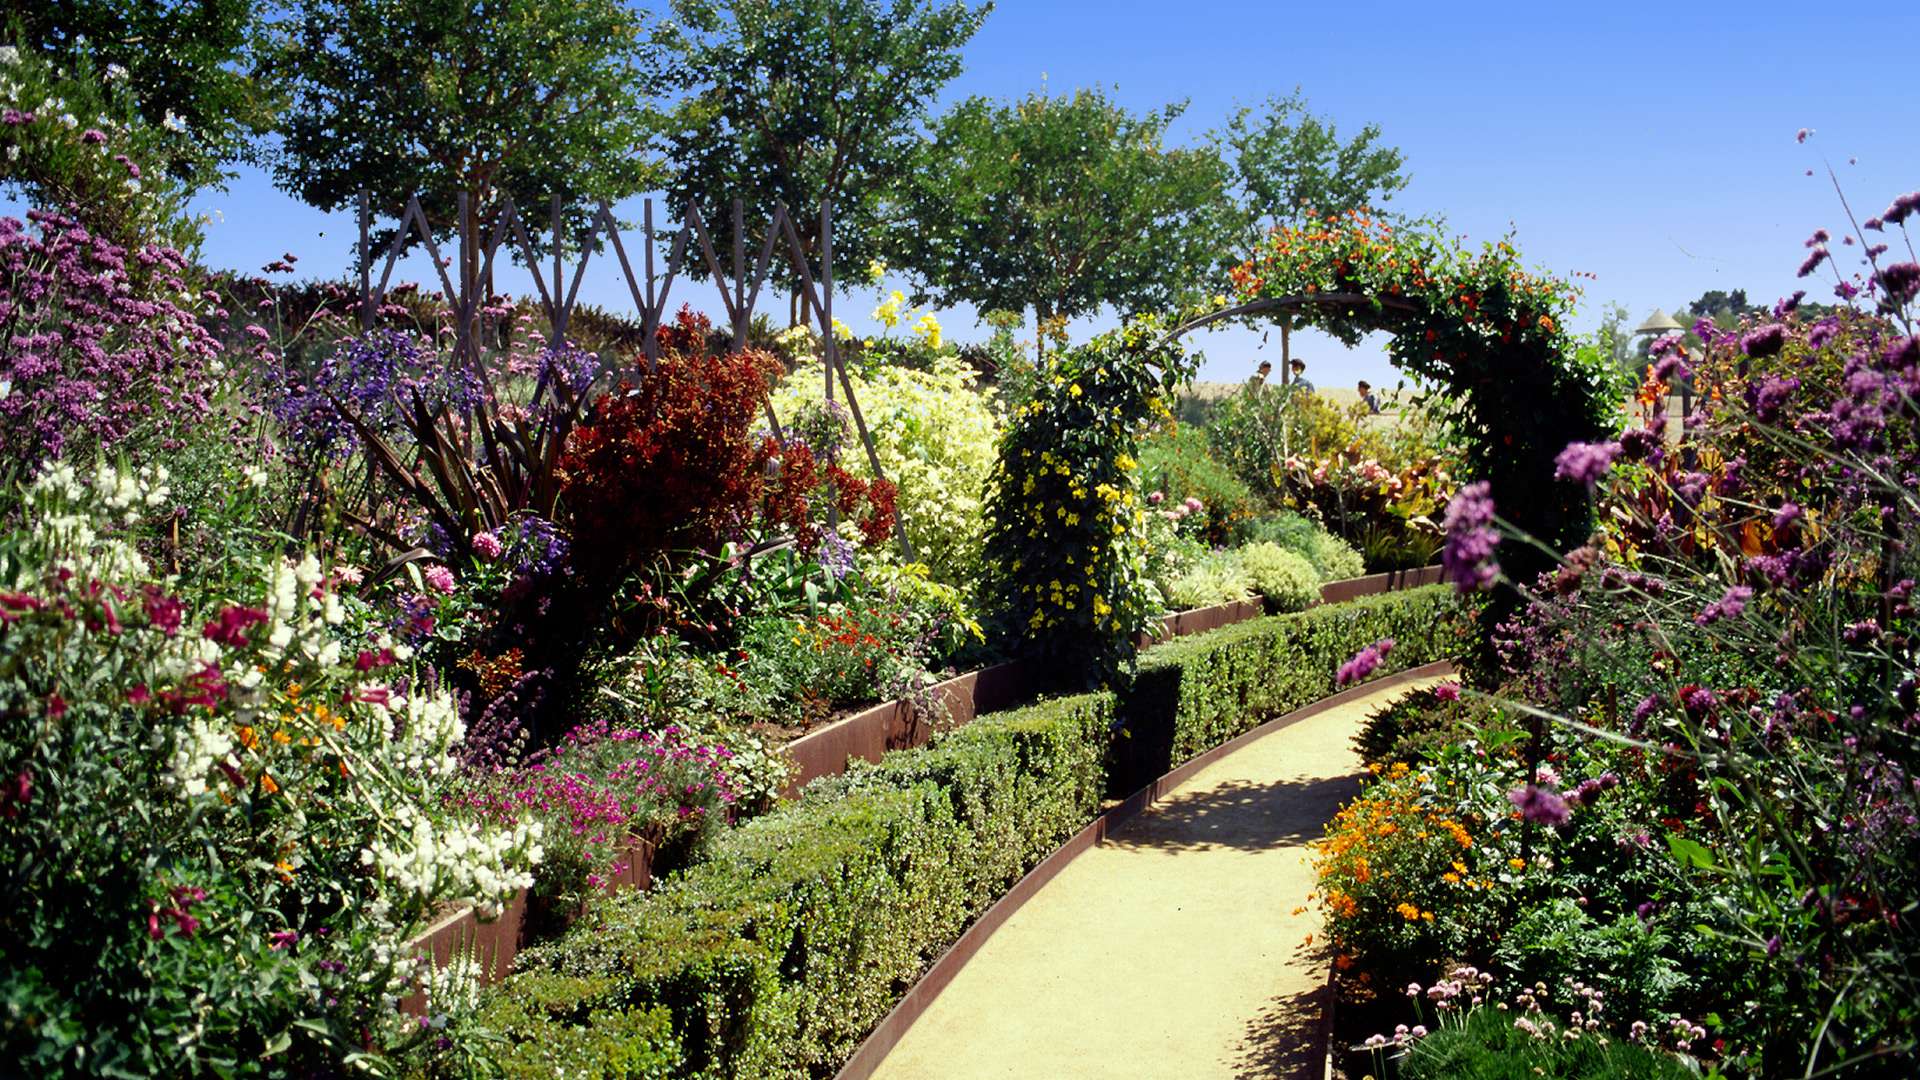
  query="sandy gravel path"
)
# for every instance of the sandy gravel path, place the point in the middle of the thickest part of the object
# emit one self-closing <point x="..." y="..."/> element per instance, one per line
<point x="1172" y="950"/>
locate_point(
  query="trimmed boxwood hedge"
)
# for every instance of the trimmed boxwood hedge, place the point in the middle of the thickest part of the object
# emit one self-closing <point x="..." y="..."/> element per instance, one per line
<point x="781" y="952"/>
<point x="1194" y="693"/>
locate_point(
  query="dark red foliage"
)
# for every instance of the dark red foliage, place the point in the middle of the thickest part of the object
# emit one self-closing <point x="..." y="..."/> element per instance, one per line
<point x="673" y="462"/>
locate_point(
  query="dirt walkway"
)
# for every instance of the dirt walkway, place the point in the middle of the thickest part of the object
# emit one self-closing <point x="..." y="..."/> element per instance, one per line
<point x="1172" y="950"/>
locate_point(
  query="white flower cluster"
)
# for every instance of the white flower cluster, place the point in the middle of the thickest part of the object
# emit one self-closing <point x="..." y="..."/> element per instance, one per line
<point x="66" y="512"/>
<point x="430" y="861"/>
<point x="430" y="725"/>
<point x="197" y="748"/>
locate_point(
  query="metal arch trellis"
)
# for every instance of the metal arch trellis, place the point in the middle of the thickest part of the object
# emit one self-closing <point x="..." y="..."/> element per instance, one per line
<point x="739" y="290"/>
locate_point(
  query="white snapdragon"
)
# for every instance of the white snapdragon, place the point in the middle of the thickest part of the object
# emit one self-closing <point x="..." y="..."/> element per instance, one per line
<point x="429" y="862"/>
<point x="430" y="726"/>
<point x="199" y="746"/>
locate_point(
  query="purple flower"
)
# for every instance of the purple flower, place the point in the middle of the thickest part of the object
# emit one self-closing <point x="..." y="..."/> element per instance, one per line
<point x="1639" y="444"/>
<point x="1540" y="805"/>
<point x="1896" y="213"/>
<point x="1363" y="663"/>
<point x="1467" y="555"/>
<point x="1900" y="282"/>
<point x="1801" y="135"/>
<point x="282" y="939"/>
<point x="1820" y="236"/>
<point x="1813" y="260"/>
<point x="1729" y="606"/>
<point x="1585" y="463"/>
<point x="93" y="136"/>
<point x="1765" y="341"/>
<point x="1787" y="514"/>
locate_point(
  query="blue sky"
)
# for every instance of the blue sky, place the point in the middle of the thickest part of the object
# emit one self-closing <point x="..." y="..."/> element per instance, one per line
<point x="1649" y="145"/>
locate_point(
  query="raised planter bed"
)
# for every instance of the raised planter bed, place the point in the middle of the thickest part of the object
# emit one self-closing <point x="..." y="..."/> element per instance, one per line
<point x="495" y="942"/>
<point x="894" y="725"/>
<point x="921" y="995"/>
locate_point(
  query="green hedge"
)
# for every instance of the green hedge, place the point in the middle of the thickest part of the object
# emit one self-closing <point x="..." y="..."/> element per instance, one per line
<point x="778" y="955"/>
<point x="1194" y="693"/>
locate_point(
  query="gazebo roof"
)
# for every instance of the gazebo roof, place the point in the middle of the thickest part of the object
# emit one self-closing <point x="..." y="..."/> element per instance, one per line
<point x="1658" y="323"/>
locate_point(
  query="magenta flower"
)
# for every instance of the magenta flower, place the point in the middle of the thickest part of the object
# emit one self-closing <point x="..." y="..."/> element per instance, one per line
<point x="1363" y="663"/>
<point x="1540" y="805"/>
<point x="230" y="627"/>
<point x="93" y="137"/>
<point x="1728" y="606"/>
<point x="1447" y="691"/>
<point x="282" y="939"/>
<point x="1584" y="462"/>
<point x="487" y="546"/>
<point x="439" y="579"/>
<point x="1467" y="556"/>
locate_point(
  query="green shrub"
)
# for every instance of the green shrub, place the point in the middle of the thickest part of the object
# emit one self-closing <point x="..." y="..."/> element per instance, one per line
<point x="1179" y="462"/>
<point x="1632" y="959"/>
<point x="1195" y="693"/>
<point x="1285" y="578"/>
<point x="1214" y="578"/>
<point x="1333" y="558"/>
<point x="577" y="1041"/>
<point x="1419" y="723"/>
<point x="1490" y="1047"/>
<point x="934" y="431"/>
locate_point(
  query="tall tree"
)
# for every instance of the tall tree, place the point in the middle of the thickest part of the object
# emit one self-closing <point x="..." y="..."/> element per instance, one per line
<point x="502" y="100"/>
<point x="1287" y="163"/>
<point x="804" y="102"/>
<point x="184" y="62"/>
<point x="1060" y="204"/>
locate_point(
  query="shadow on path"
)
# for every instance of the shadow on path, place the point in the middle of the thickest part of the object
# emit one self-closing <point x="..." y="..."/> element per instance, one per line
<point x="1241" y="815"/>
<point x="1280" y="1043"/>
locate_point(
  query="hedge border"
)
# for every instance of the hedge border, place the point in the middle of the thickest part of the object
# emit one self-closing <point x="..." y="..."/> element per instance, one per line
<point x="921" y="996"/>
<point x="782" y="954"/>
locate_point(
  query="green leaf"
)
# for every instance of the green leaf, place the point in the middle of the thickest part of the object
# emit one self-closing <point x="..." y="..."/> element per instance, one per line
<point x="1690" y="853"/>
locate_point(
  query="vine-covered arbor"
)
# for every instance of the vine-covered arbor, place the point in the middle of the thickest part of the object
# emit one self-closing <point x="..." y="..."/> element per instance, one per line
<point x="1475" y="323"/>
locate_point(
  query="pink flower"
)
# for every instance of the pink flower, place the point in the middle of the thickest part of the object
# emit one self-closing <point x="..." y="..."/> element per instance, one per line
<point x="282" y="939"/>
<point x="439" y="579"/>
<point x="486" y="545"/>
<point x="1447" y="691"/>
<point x="1363" y="662"/>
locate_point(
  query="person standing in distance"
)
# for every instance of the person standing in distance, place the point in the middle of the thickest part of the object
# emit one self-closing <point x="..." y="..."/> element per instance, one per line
<point x="1369" y="398"/>
<point x="1300" y="382"/>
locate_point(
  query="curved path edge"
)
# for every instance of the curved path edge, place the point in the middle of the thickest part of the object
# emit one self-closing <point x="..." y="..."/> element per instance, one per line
<point x="921" y="995"/>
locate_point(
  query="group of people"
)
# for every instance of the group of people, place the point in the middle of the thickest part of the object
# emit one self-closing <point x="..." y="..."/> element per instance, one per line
<point x="1300" y="382"/>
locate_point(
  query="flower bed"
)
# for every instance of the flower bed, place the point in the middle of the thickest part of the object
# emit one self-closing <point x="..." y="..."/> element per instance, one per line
<point x="779" y="954"/>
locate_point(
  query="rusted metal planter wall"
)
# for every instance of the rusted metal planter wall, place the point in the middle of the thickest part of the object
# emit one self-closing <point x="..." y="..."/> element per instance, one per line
<point x="894" y="726"/>
<point x="494" y="943"/>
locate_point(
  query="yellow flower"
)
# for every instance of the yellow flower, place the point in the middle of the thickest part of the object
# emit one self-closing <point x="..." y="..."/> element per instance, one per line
<point x="842" y="330"/>
<point x="875" y="271"/>
<point x="929" y="330"/>
<point x="888" y="313"/>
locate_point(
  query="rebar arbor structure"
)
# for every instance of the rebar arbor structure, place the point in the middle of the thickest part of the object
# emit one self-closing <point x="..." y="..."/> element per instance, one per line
<point x="739" y="286"/>
<point x="1475" y="323"/>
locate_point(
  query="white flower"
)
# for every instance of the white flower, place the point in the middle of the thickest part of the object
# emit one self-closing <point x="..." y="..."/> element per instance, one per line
<point x="257" y="477"/>
<point x="115" y="73"/>
<point x="9" y="55"/>
<point x="173" y="123"/>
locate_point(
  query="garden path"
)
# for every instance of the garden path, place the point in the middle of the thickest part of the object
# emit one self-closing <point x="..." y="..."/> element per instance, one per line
<point x="1182" y="947"/>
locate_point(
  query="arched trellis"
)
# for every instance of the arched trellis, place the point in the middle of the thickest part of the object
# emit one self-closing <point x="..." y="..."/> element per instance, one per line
<point x="650" y="290"/>
<point x="1523" y="391"/>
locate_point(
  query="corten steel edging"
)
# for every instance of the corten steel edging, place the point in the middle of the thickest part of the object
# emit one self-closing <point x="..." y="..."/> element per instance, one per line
<point x="497" y="942"/>
<point x="894" y="725"/>
<point x="919" y="997"/>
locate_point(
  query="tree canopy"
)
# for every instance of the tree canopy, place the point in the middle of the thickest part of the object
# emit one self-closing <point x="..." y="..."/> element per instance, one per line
<point x="1062" y="204"/>
<point x="498" y="99"/>
<point x="804" y="102"/>
<point x="185" y="63"/>
<point x="1288" y="165"/>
